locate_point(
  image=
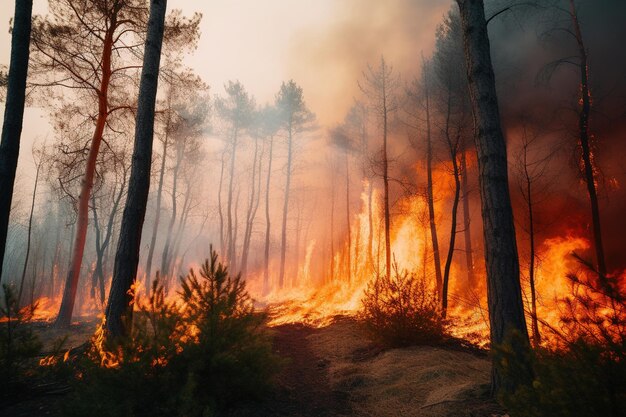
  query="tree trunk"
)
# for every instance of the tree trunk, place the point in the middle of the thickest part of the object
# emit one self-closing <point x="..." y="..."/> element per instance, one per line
<point x="348" y="260"/>
<point x="531" y="266"/>
<point x="71" y="285"/>
<point x="370" y="225"/>
<point x="467" y="231"/>
<point x="506" y="310"/>
<point x="13" y="114"/>
<point x="453" y="146"/>
<point x="30" y="228"/>
<point x="332" y="231"/>
<point x="219" y="207"/>
<point x="119" y="308"/>
<point x="266" y="264"/>
<point x="585" y="142"/>
<point x="252" y="208"/>
<point x="159" y="198"/>
<point x="386" y="179"/>
<point x="229" y="205"/>
<point x="283" y="242"/>
<point x="430" y="195"/>
<point x="165" y="256"/>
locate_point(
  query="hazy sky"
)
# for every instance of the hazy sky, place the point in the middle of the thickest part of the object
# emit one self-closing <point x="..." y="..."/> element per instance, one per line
<point x="323" y="45"/>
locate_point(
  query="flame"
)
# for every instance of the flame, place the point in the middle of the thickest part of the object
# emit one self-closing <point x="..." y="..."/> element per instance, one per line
<point x="99" y="350"/>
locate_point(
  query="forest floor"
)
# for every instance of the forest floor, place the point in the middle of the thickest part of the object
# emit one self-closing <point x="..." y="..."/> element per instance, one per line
<point x="336" y="371"/>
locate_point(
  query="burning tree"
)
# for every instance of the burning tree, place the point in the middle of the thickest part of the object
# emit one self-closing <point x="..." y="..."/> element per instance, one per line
<point x="380" y="86"/>
<point x="294" y="118"/>
<point x="120" y="307"/>
<point x="506" y="311"/>
<point x="13" y="114"/>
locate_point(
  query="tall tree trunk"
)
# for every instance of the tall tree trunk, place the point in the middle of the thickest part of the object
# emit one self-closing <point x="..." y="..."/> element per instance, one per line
<point x="506" y="310"/>
<point x="71" y="285"/>
<point x="370" y="225"/>
<point x="430" y="195"/>
<point x="159" y="198"/>
<point x="229" y="204"/>
<point x="119" y="308"/>
<point x="13" y="114"/>
<point x="165" y="256"/>
<point x="30" y="228"/>
<point x="251" y="212"/>
<point x="453" y="148"/>
<point x="178" y="236"/>
<point x="348" y="260"/>
<point x="386" y="178"/>
<point x="283" y="236"/>
<point x="467" y="231"/>
<point x="102" y="245"/>
<point x="332" y="231"/>
<point x="531" y="262"/>
<point x="266" y="264"/>
<point x="220" y="210"/>
<point x="453" y="226"/>
<point x="585" y="142"/>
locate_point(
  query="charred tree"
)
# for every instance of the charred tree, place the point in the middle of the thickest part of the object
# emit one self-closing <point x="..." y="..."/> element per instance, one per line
<point x="159" y="196"/>
<point x="430" y="198"/>
<point x="29" y="233"/>
<point x="266" y="251"/>
<point x="467" y="231"/>
<point x="506" y="311"/>
<point x="13" y="114"/>
<point x="380" y="86"/>
<point x="119" y="308"/>
<point x="585" y="142"/>
<point x="294" y="117"/>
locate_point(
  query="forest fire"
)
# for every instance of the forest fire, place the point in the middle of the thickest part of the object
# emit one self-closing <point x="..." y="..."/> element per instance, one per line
<point x="183" y="224"/>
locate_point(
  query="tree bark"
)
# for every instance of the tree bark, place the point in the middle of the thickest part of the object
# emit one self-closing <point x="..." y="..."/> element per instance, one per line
<point x="266" y="264"/>
<point x="283" y="237"/>
<point x="430" y="195"/>
<point x="13" y="114"/>
<point x="370" y="225"/>
<point x="219" y="207"/>
<point x="229" y="204"/>
<point x="28" y="241"/>
<point x="348" y="260"/>
<point x="531" y="266"/>
<point x="386" y="177"/>
<point x="119" y="308"/>
<point x="69" y="295"/>
<point x="453" y="149"/>
<point x="253" y="204"/>
<point x="585" y="142"/>
<point x="506" y="311"/>
<point x="467" y="231"/>
<point x="159" y="198"/>
<point x="166" y="255"/>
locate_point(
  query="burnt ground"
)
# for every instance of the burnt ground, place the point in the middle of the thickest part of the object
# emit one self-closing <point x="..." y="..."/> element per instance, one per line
<point x="303" y="388"/>
<point x="335" y="371"/>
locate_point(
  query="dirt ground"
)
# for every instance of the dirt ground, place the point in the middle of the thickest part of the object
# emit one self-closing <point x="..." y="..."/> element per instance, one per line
<point x="336" y="371"/>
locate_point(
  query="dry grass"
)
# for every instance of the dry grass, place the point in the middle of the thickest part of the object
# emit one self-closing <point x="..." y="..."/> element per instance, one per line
<point x="418" y="381"/>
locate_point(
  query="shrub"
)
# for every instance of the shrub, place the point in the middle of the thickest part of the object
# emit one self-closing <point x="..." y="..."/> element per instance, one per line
<point x="584" y="372"/>
<point x="197" y="357"/>
<point x="18" y="344"/>
<point x="400" y="311"/>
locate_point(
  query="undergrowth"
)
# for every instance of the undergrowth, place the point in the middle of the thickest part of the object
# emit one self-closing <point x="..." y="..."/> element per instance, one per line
<point x="400" y="310"/>
<point x="198" y="356"/>
<point x="584" y="372"/>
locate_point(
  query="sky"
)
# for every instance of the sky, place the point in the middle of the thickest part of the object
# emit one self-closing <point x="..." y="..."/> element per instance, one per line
<point x="323" y="45"/>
